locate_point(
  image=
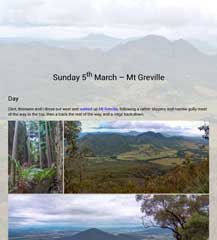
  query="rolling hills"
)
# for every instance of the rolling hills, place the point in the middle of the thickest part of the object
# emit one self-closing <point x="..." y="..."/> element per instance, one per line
<point x="146" y="162"/>
<point x="107" y="144"/>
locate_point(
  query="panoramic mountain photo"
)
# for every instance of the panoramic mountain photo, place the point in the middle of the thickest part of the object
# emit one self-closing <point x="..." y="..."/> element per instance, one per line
<point x="108" y="217"/>
<point x="136" y="157"/>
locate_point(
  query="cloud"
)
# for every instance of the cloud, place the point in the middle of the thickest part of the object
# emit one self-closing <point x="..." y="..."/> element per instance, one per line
<point x="75" y="211"/>
<point x="170" y="127"/>
<point x="126" y="17"/>
<point x="107" y="12"/>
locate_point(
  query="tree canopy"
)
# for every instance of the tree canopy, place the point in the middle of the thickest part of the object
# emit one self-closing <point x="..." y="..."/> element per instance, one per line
<point x="182" y="214"/>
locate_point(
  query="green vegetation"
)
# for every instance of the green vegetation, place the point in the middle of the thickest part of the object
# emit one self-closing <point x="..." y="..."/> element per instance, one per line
<point x="145" y="163"/>
<point x="35" y="157"/>
<point x="187" y="217"/>
<point x="147" y="152"/>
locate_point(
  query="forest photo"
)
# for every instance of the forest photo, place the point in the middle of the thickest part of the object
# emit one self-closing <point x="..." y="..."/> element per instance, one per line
<point x="35" y="156"/>
<point x="136" y="157"/>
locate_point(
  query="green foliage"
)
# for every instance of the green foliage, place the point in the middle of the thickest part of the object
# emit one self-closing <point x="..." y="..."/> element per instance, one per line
<point x="196" y="228"/>
<point x="18" y="166"/>
<point x="115" y="144"/>
<point x="71" y="132"/>
<point x="205" y="129"/>
<point x="109" y="175"/>
<point x="188" y="178"/>
<point x="147" y="152"/>
<point x="185" y="215"/>
<point x="148" y="163"/>
<point x="37" y="147"/>
<point x="35" y="174"/>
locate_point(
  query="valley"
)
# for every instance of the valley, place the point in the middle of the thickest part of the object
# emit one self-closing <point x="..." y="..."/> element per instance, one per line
<point x="147" y="162"/>
<point x="90" y="234"/>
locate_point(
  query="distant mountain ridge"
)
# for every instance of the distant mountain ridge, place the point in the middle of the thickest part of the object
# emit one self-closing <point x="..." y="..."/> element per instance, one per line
<point x="91" y="41"/>
<point x="184" y="67"/>
<point x="97" y="40"/>
<point x="160" y="44"/>
<point x="96" y="234"/>
<point x="149" y="53"/>
<point x="91" y="234"/>
<point x="115" y="143"/>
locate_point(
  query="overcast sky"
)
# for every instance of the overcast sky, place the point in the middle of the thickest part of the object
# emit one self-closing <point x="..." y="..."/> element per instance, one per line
<point x="121" y="18"/>
<point x="76" y="211"/>
<point x="170" y="127"/>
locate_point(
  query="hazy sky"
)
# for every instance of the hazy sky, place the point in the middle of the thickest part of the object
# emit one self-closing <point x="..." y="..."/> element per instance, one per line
<point x="172" y="127"/>
<point x="86" y="211"/>
<point x="121" y="18"/>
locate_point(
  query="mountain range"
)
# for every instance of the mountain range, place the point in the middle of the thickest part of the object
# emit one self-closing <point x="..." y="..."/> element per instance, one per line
<point x="96" y="234"/>
<point x="91" y="234"/>
<point x="150" y="54"/>
<point x="91" y="41"/>
<point x="27" y="70"/>
<point x="117" y="143"/>
<point x="96" y="41"/>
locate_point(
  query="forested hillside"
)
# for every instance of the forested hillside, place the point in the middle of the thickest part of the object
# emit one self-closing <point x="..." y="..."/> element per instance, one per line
<point x="147" y="162"/>
<point x="35" y="159"/>
<point x="115" y="143"/>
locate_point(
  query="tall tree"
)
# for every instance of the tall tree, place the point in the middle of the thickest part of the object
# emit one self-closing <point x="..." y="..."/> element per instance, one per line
<point x="29" y="149"/>
<point x="14" y="153"/>
<point x="39" y="145"/>
<point x="71" y="156"/>
<point x="71" y="133"/>
<point x="172" y="211"/>
<point x="58" y="140"/>
<point x="81" y="164"/>
<point x="205" y="129"/>
<point x="51" y="133"/>
<point x="49" y="160"/>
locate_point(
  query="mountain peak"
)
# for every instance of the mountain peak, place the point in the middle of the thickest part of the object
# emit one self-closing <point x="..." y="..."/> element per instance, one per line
<point x="182" y="41"/>
<point x="93" y="230"/>
<point x="93" y="234"/>
<point x="97" y="234"/>
<point x="156" y="38"/>
<point x="185" y="47"/>
<point x="151" y="134"/>
<point x="156" y="47"/>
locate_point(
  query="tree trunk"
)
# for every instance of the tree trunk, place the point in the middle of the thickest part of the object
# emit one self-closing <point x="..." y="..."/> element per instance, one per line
<point x="29" y="151"/>
<point x="59" y="154"/>
<point x="49" y="161"/>
<point x="39" y="145"/>
<point x="82" y="162"/>
<point x="52" y="141"/>
<point x="14" y="153"/>
<point x="29" y="146"/>
<point x="178" y="236"/>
